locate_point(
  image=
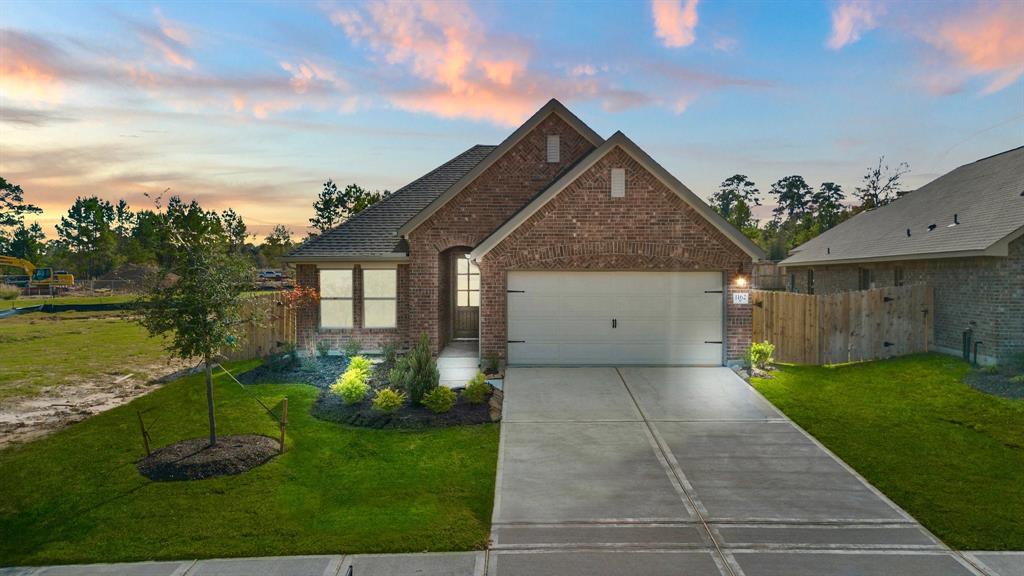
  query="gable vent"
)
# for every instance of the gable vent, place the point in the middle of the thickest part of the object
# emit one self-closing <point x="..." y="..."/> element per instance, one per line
<point x="618" y="182"/>
<point x="554" y="148"/>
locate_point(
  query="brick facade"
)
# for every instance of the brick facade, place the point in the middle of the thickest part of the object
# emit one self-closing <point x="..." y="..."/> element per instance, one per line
<point x="584" y="228"/>
<point x="309" y="333"/>
<point x="469" y="217"/>
<point x="984" y="293"/>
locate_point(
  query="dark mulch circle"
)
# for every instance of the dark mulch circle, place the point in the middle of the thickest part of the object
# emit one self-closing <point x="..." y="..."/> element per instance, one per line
<point x="329" y="407"/>
<point x="996" y="383"/>
<point x="319" y="372"/>
<point x="195" y="459"/>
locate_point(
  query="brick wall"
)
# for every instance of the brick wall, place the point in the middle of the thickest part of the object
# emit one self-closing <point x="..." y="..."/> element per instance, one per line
<point x="307" y="323"/>
<point x="986" y="294"/>
<point x="499" y="192"/>
<point x="584" y="228"/>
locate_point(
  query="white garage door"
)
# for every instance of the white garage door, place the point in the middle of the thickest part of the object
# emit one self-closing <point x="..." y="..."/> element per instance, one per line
<point x="615" y="318"/>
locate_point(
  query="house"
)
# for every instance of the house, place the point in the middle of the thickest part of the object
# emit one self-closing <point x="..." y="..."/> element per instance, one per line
<point x="556" y="247"/>
<point x="960" y="234"/>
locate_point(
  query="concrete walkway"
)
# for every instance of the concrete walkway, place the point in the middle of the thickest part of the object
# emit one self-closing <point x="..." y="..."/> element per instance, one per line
<point x="659" y="471"/>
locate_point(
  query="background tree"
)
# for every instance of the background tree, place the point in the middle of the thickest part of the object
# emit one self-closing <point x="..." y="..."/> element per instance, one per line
<point x="86" y="232"/>
<point x="881" y="185"/>
<point x="735" y="200"/>
<point x="792" y="198"/>
<point x="334" y="206"/>
<point x="277" y="244"/>
<point x="202" y="310"/>
<point x="28" y="243"/>
<point x="235" y="229"/>
<point x="12" y="205"/>
<point x="828" y="206"/>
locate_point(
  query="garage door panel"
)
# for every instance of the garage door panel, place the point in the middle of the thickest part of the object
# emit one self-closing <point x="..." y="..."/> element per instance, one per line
<point x="660" y="317"/>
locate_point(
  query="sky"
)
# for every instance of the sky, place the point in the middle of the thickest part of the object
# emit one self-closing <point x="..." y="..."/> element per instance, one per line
<point x="253" y="105"/>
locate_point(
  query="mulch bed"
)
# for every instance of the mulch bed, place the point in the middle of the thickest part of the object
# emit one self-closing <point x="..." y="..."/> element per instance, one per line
<point x="998" y="383"/>
<point x="329" y="407"/>
<point x="319" y="372"/>
<point x="195" y="459"/>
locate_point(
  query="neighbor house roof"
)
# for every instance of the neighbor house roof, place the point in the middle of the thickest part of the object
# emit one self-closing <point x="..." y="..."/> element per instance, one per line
<point x="619" y="140"/>
<point x="552" y="107"/>
<point x="373" y="233"/>
<point x="986" y="198"/>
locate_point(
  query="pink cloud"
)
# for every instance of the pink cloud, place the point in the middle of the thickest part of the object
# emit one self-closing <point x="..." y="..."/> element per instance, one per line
<point x="169" y="38"/>
<point x="28" y="69"/>
<point x="987" y="42"/>
<point x="851" y="19"/>
<point x="674" y="23"/>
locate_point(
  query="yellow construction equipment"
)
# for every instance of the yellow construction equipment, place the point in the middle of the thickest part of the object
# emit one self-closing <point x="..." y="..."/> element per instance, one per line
<point x="40" y="277"/>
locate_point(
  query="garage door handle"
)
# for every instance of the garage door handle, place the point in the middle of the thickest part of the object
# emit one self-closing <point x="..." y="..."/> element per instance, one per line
<point x="712" y="341"/>
<point x="516" y="342"/>
<point x="712" y="291"/>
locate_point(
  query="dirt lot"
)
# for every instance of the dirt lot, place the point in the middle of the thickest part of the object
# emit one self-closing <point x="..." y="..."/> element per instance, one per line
<point x="58" y="369"/>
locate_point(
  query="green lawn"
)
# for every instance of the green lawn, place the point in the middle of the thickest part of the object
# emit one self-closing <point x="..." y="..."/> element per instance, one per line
<point x="40" y="350"/>
<point x="36" y="301"/>
<point x="77" y="497"/>
<point x="951" y="456"/>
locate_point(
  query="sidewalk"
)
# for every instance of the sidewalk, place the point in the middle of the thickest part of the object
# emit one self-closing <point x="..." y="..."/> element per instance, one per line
<point x="440" y="564"/>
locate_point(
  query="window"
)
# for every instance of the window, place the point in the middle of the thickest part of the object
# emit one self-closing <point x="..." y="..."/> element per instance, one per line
<point x="897" y="276"/>
<point x="810" y="281"/>
<point x="866" y="279"/>
<point x="336" y="298"/>
<point x="618" y="182"/>
<point x="792" y="281"/>
<point x="554" y="148"/>
<point x="380" y="298"/>
<point x="467" y="291"/>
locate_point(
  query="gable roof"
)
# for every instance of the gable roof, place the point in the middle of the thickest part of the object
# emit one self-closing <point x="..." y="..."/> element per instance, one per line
<point x="552" y="107"/>
<point x="373" y="233"/>
<point x="628" y="146"/>
<point x="986" y="197"/>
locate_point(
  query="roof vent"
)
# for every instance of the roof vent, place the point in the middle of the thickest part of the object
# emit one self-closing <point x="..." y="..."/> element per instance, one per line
<point x="618" y="182"/>
<point x="554" y="148"/>
<point x="956" y="221"/>
<point x="931" y="227"/>
<point x="908" y="232"/>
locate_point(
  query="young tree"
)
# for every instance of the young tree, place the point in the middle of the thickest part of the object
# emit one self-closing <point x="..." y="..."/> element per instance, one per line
<point x="735" y="199"/>
<point x="334" y="206"/>
<point x="881" y="185"/>
<point x="202" y="309"/>
<point x="86" y="231"/>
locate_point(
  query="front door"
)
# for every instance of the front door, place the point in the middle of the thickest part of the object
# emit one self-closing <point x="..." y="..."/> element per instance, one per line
<point x="467" y="298"/>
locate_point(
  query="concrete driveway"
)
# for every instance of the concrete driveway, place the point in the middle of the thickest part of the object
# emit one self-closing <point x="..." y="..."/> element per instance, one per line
<point x="659" y="471"/>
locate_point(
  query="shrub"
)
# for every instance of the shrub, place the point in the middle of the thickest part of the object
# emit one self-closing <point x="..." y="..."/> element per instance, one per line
<point x="352" y="348"/>
<point x="388" y="400"/>
<point x="361" y="363"/>
<point x="990" y="369"/>
<point x="760" y="355"/>
<point x="419" y="375"/>
<point x="477" y="389"/>
<point x="352" y="386"/>
<point x="440" y="399"/>
<point x="389" y="353"/>
<point x="1018" y="379"/>
<point x="286" y="359"/>
<point x="491" y="365"/>
<point x="397" y="374"/>
<point x="8" y="292"/>
<point x="323" y="348"/>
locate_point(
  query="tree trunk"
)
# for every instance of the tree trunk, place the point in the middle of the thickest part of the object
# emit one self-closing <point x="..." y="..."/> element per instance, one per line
<point x="209" y="401"/>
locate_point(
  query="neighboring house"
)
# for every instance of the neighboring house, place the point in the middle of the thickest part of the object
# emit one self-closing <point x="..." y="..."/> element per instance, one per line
<point x="555" y="247"/>
<point x="960" y="233"/>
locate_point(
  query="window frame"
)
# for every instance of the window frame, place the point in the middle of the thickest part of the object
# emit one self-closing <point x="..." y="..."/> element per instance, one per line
<point x="898" y="276"/>
<point x="351" y="298"/>
<point x="368" y="299"/>
<point x="810" y="280"/>
<point x="865" y="278"/>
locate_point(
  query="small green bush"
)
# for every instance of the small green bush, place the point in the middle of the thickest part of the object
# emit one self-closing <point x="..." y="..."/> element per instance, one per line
<point x="398" y="373"/>
<point x="9" y="292"/>
<point x="440" y="399"/>
<point x="1018" y="379"/>
<point x="323" y="348"/>
<point x="285" y="359"/>
<point x="352" y="386"/>
<point x="352" y="348"/>
<point x="361" y="363"/>
<point x="761" y="355"/>
<point x="491" y="365"/>
<point x="418" y="375"/>
<point x="389" y="353"/>
<point x="388" y="400"/>
<point x="477" y="389"/>
<point x="990" y="369"/>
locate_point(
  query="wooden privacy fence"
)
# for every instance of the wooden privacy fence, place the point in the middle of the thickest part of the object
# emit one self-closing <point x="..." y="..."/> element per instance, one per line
<point x="845" y="327"/>
<point x="271" y="324"/>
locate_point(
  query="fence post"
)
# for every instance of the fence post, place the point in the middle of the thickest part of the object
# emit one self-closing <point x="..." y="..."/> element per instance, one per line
<point x="284" y="421"/>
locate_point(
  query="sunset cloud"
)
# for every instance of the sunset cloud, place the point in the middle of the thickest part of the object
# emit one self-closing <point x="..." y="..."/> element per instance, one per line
<point x="985" y="42"/>
<point x="675" y="22"/>
<point x="29" y="69"/>
<point x="168" y="38"/>
<point x="851" y="19"/>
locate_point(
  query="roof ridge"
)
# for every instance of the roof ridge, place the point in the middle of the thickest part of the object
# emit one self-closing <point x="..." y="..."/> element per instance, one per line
<point x="993" y="156"/>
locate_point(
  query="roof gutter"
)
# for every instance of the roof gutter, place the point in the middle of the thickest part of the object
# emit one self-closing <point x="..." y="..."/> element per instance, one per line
<point x="347" y="258"/>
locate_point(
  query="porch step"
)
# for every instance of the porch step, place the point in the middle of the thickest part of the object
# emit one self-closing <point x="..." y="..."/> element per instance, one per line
<point x="456" y="372"/>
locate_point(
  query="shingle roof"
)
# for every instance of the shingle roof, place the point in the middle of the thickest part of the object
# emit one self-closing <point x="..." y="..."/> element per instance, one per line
<point x="373" y="233"/>
<point x="986" y="196"/>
